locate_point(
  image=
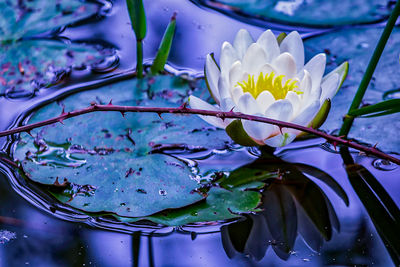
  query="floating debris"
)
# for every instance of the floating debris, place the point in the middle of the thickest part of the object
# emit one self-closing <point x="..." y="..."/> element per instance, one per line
<point x="6" y="236"/>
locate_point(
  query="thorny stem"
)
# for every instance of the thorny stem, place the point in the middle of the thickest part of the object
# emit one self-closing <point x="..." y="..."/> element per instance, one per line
<point x="348" y="120"/>
<point x="184" y="110"/>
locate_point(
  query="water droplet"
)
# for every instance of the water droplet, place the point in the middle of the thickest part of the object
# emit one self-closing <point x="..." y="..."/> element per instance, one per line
<point x="254" y="151"/>
<point x="110" y="63"/>
<point x="56" y="155"/>
<point x="384" y="165"/>
<point x="363" y="45"/>
<point x="162" y="192"/>
<point x="19" y="94"/>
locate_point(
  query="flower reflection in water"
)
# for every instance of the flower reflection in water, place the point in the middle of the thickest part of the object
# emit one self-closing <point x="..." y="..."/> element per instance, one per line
<point x="292" y="204"/>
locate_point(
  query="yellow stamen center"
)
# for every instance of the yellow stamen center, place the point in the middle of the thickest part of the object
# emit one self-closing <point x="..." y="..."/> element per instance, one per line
<point x="269" y="82"/>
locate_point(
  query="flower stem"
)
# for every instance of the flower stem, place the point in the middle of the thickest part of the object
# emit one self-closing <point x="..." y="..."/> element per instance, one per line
<point x="184" y="110"/>
<point x="139" y="59"/>
<point x="348" y="119"/>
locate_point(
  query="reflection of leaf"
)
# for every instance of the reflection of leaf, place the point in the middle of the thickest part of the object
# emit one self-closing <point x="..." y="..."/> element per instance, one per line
<point x="280" y="214"/>
<point x="382" y="210"/>
<point x="307" y="194"/>
<point x="33" y="64"/>
<point x="238" y="233"/>
<point x="324" y="177"/>
<point x="27" y="18"/>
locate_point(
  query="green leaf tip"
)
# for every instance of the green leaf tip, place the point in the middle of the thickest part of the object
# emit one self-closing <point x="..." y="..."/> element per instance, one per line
<point x="165" y="47"/>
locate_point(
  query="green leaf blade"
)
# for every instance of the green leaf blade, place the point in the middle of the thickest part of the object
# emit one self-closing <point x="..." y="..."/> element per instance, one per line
<point x="165" y="47"/>
<point x="137" y="16"/>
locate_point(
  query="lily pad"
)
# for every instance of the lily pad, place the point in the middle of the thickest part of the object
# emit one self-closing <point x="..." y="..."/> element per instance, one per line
<point x="314" y="12"/>
<point x="220" y="204"/>
<point x="103" y="157"/>
<point x="356" y="46"/>
<point x="29" y="63"/>
<point x="33" y="64"/>
<point x="28" y="18"/>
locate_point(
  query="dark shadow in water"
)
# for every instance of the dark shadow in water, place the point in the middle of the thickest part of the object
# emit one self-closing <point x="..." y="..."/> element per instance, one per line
<point x="381" y="208"/>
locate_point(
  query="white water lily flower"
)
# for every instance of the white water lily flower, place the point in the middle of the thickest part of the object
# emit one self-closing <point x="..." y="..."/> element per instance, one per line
<point x="268" y="78"/>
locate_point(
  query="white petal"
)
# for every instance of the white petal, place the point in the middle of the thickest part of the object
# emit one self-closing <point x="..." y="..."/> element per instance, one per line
<point x="235" y="74"/>
<point x="212" y="73"/>
<point x="223" y="87"/>
<point x="307" y="114"/>
<point x="257" y="130"/>
<point x="315" y="92"/>
<point x="329" y="87"/>
<point x="295" y="100"/>
<point x="228" y="57"/>
<point x="285" y="65"/>
<point x="248" y="105"/>
<point x="227" y="104"/>
<point x="280" y="140"/>
<point x="280" y="110"/>
<point x="237" y="92"/>
<point x="266" y="68"/>
<point x="197" y="103"/>
<point x="242" y="41"/>
<point x="253" y="59"/>
<point x="305" y="87"/>
<point x="294" y="45"/>
<point x="264" y="100"/>
<point x="267" y="41"/>
<point x="316" y="68"/>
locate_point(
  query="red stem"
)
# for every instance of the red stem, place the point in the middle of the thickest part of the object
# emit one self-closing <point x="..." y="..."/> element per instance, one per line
<point x="223" y="115"/>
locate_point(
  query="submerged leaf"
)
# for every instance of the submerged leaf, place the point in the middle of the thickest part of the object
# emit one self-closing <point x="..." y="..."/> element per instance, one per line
<point x="316" y="13"/>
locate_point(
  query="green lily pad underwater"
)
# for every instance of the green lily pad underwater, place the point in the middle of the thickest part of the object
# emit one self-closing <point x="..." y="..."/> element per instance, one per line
<point x="104" y="162"/>
<point x="29" y="63"/>
<point x="314" y="12"/>
<point x="356" y="46"/>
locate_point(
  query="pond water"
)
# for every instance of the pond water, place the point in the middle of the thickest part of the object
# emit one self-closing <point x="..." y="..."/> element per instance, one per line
<point x="39" y="229"/>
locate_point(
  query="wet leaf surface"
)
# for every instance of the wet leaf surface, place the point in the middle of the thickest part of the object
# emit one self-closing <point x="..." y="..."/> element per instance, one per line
<point x="29" y="63"/>
<point x="105" y="156"/>
<point x="28" y="18"/>
<point x="33" y="64"/>
<point x="220" y="204"/>
<point x="356" y="46"/>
